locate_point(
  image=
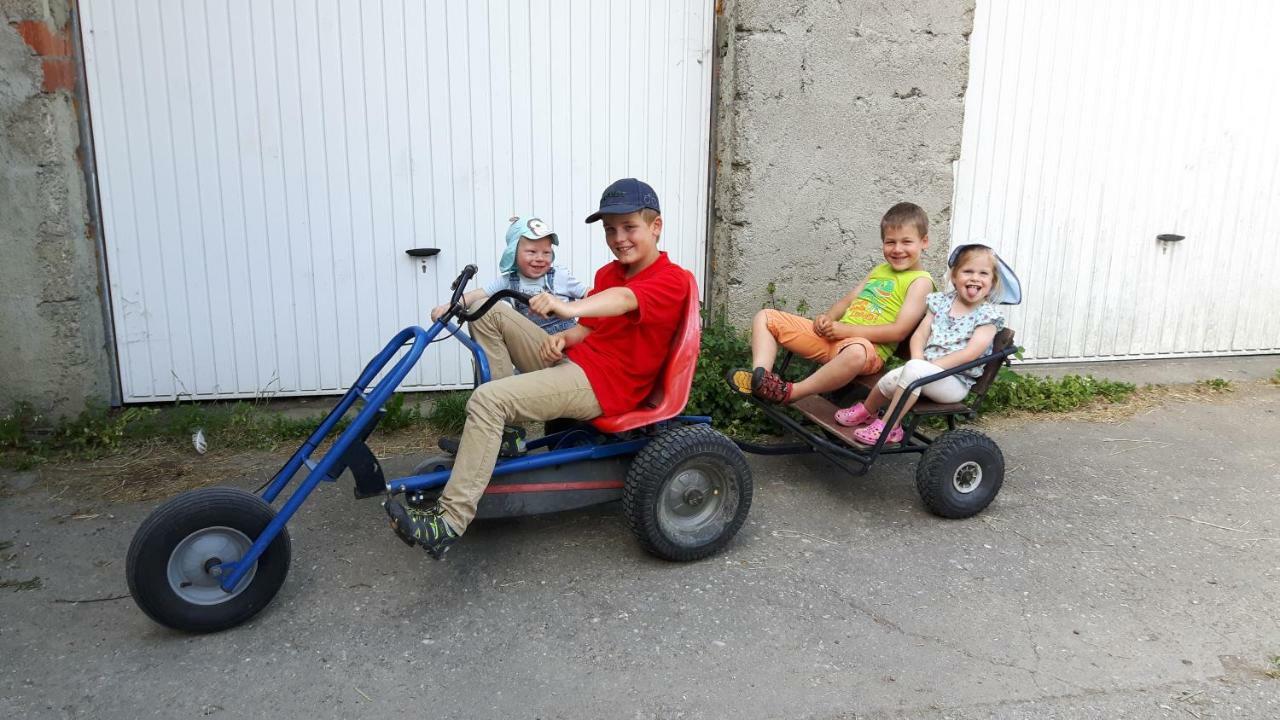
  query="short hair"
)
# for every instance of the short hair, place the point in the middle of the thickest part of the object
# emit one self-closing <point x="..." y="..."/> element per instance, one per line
<point x="966" y="253"/>
<point x="649" y="215"/>
<point x="905" y="213"/>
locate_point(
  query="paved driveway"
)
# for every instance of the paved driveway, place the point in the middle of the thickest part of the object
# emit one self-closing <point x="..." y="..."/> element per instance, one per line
<point x="1127" y="570"/>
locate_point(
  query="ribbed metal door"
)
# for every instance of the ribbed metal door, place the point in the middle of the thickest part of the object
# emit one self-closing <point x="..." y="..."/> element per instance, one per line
<point x="264" y="165"/>
<point x="1093" y="127"/>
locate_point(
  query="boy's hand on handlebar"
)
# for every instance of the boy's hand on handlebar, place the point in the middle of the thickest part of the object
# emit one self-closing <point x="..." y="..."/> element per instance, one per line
<point x="437" y="311"/>
<point x="552" y="349"/>
<point x="548" y="305"/>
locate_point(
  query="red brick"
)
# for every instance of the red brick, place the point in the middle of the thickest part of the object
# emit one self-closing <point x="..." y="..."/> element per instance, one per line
<point x="59" y="74"/>
<point x="42" y="40"/>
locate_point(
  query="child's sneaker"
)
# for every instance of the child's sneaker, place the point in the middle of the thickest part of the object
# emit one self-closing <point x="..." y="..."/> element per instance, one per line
<point x="772" y="388"/>
<point x="744" y="381"/>
<point x="871" y="433"/>
<point x="513" y="443"/>
<point x="427" y="528"/>
<point x="855" y="416"/>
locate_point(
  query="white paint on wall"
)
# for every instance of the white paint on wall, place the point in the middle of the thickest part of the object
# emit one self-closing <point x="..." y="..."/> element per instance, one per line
<point x="1092" y="127"/>
<point x="263" y="166"/>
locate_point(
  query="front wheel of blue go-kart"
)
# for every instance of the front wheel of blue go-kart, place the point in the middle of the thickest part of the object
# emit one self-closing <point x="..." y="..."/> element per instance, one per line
<point x="172" y="560"/>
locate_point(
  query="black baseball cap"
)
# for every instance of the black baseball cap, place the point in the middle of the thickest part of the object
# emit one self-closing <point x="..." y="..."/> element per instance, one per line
<point x="625" y="196"/>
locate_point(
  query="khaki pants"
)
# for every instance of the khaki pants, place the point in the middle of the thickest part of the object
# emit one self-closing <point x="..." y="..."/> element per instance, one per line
<point x="540" y="392"/>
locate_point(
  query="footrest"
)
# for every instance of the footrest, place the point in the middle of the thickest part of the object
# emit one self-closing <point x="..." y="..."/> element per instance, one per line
<point x="823" y="413"/>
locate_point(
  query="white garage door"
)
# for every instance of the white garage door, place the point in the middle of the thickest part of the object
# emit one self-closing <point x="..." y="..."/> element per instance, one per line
<point x="1093" y="127"/>
<point x="263" y="166"/>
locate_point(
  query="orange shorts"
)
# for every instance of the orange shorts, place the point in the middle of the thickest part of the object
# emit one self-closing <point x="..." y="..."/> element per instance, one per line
<point x="796" y="334"/>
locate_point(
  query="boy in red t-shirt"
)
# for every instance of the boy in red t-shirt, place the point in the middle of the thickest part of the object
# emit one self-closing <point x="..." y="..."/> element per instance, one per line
<point x="604" y="365"/>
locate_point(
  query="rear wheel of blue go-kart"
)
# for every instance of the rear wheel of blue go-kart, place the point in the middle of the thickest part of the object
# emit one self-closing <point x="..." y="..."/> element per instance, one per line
<point x="687" y="493"/>
<point x="172" y="556"/>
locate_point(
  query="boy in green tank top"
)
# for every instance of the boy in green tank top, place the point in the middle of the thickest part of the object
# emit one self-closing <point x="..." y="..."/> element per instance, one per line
<point x="861" y="329"/>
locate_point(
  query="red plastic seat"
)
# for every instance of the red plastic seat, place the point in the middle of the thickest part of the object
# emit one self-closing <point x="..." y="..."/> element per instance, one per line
<point x="671" y="391"/>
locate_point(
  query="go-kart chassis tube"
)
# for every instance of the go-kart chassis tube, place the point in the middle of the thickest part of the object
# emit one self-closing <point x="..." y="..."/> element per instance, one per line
<point x="417" y="338"/>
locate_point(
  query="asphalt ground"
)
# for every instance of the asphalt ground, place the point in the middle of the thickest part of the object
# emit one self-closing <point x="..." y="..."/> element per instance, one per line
<point x="1127" y="569"/>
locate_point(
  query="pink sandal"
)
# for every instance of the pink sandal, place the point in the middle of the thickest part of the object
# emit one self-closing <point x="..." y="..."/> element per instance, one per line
<point x="870" y="434"/>
<point x="855" y="416"/>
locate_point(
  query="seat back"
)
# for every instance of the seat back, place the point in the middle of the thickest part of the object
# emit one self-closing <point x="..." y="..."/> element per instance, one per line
<point x="1002" y="341"/>
<point x="671" y="390"/>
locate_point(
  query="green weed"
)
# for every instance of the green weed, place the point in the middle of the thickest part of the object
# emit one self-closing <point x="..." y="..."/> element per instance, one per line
<point x="1273" y="672"/>
<point x="20" y="585"/>
<point x="449" y="412"/>
<point x="1013" y="391"/>
<point x="1275" y="378"/>
<point x="1215" y="385"/>
<point x="17" y="426"/>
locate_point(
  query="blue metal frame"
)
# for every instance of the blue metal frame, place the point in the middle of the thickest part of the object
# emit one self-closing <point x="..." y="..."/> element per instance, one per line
<point x="417" y="339"/>
<point x="600" y="446"/>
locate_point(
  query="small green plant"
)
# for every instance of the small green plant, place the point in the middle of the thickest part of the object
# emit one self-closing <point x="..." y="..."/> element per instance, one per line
<point x="724" y="348"/>
<point x="399" y="417"/>
<point x="17" y="425"/>
<point x="1215" y="385"/>
<point x="20" y="585"/>
<point x="449" y="412"/>
<point x="100" y="428"/>
<point x="1273" y="672"/>
<point x="1275" y="378"/>
<point x="1014" y="391"/>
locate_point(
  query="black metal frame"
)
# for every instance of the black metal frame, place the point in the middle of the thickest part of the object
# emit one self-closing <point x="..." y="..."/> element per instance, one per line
<point x="851" y="459"/>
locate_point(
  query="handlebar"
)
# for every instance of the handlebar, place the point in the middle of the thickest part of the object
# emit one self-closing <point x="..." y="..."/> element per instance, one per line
<point x="459" y="286"/>
<point x="491" y="301"/>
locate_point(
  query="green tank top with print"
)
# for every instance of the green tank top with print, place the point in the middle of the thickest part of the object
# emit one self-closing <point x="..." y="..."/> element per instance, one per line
<point x="881" y="299"/>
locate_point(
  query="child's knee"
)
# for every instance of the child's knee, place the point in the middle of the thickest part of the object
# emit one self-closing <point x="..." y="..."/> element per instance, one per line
<point x="914" y="370"/>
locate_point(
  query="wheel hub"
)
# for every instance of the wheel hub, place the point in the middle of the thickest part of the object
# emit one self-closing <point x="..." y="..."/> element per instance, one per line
<point x="967" y="477"/>
<point x="195" y="565"/>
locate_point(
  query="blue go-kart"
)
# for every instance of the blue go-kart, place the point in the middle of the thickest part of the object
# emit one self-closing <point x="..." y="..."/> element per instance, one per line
<point x="210" y="559"/>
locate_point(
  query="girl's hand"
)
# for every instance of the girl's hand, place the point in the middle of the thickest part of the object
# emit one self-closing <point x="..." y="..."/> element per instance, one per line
<point x="547" y="305"/>
<point x="552" y="350"/>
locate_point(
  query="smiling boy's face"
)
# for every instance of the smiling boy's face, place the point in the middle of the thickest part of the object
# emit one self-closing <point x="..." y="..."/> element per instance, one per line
<point x="902" y="245"/>
<point x="533" y="257"/>
<point x="632" y="239"/>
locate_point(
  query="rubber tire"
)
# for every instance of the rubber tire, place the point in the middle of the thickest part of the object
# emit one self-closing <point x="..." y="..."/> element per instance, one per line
<point x="936" y="470"/>
<point x="660" y="461"/>
<point x="147" y="566"/>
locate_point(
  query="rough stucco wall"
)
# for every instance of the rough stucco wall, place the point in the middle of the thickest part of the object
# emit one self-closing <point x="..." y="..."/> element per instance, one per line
<point x="830" y="112"/>
<point x="52" y="339"/>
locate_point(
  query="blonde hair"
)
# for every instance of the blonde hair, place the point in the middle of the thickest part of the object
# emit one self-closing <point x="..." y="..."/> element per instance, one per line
<point x="968" y="254"/>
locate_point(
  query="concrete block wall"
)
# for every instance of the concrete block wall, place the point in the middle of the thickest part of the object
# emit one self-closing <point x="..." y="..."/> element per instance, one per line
<point x="53" y="348"/>
<point x="829" y="112"/>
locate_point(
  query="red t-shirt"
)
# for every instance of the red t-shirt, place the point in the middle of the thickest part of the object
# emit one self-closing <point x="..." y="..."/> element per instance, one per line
<point x="623" y="355"/>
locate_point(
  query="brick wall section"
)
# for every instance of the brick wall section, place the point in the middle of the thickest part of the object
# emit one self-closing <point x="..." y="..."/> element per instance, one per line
<point x="54" y="49"/>
<point x="52" y="338"/>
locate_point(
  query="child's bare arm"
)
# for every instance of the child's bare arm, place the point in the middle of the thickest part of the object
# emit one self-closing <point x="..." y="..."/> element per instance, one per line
<point x="469" y="298"/>
<point x="921" y="336"/>
<point x="837" y="310"/>
<point x="977" y="345"/>
<point x="913" y="309"/>
<point x="612" y="302"/>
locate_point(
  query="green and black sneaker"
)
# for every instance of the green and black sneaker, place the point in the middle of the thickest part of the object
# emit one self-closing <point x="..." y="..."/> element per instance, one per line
<point x="513" y="443"/>
<point x="427" y="528"/>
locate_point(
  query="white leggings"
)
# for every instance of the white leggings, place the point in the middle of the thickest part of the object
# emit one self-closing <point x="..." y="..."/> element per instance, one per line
<point x="946" y="390"/>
